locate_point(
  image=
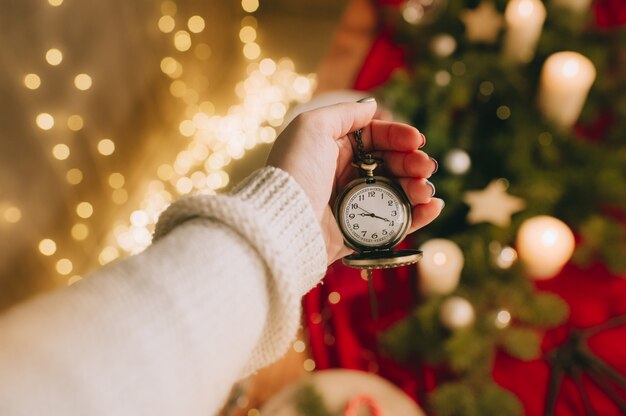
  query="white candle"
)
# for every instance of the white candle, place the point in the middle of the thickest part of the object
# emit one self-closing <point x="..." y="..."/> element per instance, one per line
<point x="578" y="6"/>
<point x="566" y="78"/>
<point x="440" y="268"/>
<point x="524" y="21"/>
<point x="544" y="244"/>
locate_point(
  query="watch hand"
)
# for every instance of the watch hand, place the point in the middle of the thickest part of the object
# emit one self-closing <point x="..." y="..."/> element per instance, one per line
<point x="368" y="213"/>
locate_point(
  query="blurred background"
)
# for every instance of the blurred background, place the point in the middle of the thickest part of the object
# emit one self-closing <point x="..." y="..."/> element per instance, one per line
<point x="110" y="109"/>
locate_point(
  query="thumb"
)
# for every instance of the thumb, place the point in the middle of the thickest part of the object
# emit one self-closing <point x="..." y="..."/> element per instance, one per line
<point x="340" y="119"/>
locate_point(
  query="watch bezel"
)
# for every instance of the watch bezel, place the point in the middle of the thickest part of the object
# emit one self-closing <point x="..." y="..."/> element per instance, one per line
<point x="357" y="184"/>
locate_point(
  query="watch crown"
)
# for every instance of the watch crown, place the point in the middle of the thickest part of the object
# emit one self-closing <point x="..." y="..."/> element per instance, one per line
<point x="369" y="164"/>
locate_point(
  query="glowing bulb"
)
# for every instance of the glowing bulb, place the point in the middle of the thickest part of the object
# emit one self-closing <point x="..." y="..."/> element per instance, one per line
<point x="334" y="298"/>
<point x="74" y="176"/>
<point x="503" y="319"/>
<point x="54" y="56"/>
<point x="32" y="81"/>
<point x="47" y="247"/>
<point x="309" y="365"/>
<point x="457" y="161"/>
<point x="139" y="218"/>
<point x="84" y="210"/>
<point x="80" y="231"/>
<point x="182" y="40"/>
<point x="165" y="172"/>
<point x="116" y="180"/>
<point x="64" y="266"/>
<point x="55" y="3"/>
<point x="196" y="24"/>
<point x="456" y="313"/>
<point x="106" y="147"/>
<point x="44" y="121"/>
<point x="61" y="151"/>
<point x="12" y="215"/>
<point x="250" y="6"/>
<point x="166" y="24"/>
<point x="299" y="346"/>
<point x="82" y="82"/>
<point x="251" y="51"/>
<point x="75" y="122"/>
<point x="247" y="34"/>
<point x="267" y="67"/>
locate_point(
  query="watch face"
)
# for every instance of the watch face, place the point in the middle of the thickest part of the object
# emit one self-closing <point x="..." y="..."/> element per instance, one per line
<point x="373" y="215"/>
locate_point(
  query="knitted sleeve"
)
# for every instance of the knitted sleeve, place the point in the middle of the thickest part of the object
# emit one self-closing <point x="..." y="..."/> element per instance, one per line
<point x="168" y="331"/>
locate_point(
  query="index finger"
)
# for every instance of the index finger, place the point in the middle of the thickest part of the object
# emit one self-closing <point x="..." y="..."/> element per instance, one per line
<point x="388" y="135"/>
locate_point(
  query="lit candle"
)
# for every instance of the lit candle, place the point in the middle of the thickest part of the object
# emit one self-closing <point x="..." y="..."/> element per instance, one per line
<point x="524" y="21"/>
<point x="440" y="268"/>
<point x="566" y="78"/>
<point x="544" y="244"/>
<point x="578" y="6"/>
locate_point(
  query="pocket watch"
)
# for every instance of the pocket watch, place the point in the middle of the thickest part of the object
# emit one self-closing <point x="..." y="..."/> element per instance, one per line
<point x="374" y="215"/>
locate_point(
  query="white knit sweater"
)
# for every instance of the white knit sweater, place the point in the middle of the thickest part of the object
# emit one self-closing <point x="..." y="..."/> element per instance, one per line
<point x="168" y="331"/>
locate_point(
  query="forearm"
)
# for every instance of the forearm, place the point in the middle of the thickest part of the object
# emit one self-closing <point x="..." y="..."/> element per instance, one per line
<point x="167" y="331"/>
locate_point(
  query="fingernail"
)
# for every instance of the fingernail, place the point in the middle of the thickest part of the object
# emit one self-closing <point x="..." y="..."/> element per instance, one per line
<point x="436" y="165"/>
<point x="429" y="183"/>
<point x="423" y="140"/>
<point x="443" y="203"/>
<point x="366" y="100"/>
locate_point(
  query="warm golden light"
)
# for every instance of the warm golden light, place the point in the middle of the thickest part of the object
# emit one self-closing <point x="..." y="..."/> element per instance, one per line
<point x="108" y="254"/>
<point x="334" y="298"/>
<point x="182" y="40"/>
<point x="12" y="215"/>
<point x="116" y="180"/>
<point x="166" y="24"/>
<point x="64" y="266"/>
<point x="82" y="82"/>
<point x="61" y="151"/>
<point x="54" y="56"/>
<point x="32" y="81"/>
<point x="250" y="6"/>
<point x="80" y="231"/>
<point x="165" y="172"/>
<point x="119" y="196"/>
<point x="84" y="210"/>
<point x="74" y="279"/>
<point x="178" y="88"/>
<point x="106" y="147"/>
<point x="55" y="3"/>
<point x="299" y="346"/>
<point x="169" y="8"/>
<point x="503" y="319"/>
<point x="171" y="67"/>
<point x="196" y="24"/>
<point x="44" y="121"/>
<point x="247" y="34"/>
<point x="309" y="364"/>
<point x="47" y="247"/>
<point x="251" y="51"/>
<point x="75" y="122"/>
<point x="74" y="176"/>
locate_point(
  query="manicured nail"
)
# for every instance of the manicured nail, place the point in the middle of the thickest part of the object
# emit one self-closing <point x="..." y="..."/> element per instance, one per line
<point x="443" y="204"/>
<point x="436" y="165"/>
<point x="366" y="100"/>
<point x="423" y="140"/>
<point x="429" y="183"/>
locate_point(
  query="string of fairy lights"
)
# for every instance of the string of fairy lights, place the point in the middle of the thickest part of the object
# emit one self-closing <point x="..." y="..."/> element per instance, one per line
<point x="212" y="141"/>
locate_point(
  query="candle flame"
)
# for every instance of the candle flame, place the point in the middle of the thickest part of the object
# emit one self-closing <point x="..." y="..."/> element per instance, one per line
<point x="549" y="237"/>
<point x="525" y="8"/>
<point x="440" y="258"/>
<point x="571" y="68"/>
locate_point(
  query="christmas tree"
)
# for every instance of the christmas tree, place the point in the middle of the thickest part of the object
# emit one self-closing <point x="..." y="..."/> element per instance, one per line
<point x="524" y="106"/>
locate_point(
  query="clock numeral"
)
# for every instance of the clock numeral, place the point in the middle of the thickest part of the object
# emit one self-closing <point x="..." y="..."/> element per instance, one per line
<point x="394" y="213"/>
<point x="361" y="197"/>
<point x="391" y="224"/>
<point x="355" y="206"/>
<point x="351" y="216"/>
<point x="374" y="235"/>
<point x="385" y="232"/>
<point x="364" y="232"/>
<point x="390" y="203"/>
<point x="382" y="196"/>
<point x="371" y="194"/>
<point x="355" y="226"/>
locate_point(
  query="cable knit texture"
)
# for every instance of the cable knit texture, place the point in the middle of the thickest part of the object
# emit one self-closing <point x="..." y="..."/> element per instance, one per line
<point x="268" y="209"/>
<point x="168" y="331"/>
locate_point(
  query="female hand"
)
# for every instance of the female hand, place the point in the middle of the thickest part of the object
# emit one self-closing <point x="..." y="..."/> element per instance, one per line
<point x="316" y="149"/>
